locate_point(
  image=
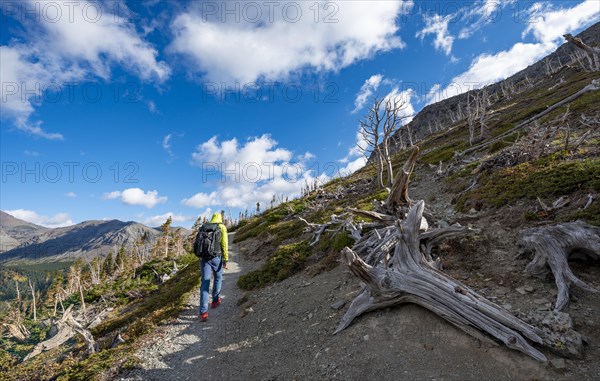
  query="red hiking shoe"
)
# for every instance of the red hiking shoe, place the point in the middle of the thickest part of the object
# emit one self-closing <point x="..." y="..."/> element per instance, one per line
<point x="204" y="316"/>
<point x="216" y="303"/>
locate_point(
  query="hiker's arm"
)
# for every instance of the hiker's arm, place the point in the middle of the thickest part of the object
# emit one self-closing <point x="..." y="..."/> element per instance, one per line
<point x="224" y="243"/>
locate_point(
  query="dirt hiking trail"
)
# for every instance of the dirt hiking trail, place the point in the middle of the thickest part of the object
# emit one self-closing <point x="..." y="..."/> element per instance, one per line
<point x="284" y="332"/>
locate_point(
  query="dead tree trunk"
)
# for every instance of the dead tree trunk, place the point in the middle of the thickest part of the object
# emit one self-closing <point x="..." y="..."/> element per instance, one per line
<point x="81" y="298"/>
<point x="411" y="279"/>
<point x="399" y="193"/>
<point x="580" y="44"/>
<point x="400" y="269"/>
<point x="67" y="327"/>
<point x="33" y="298"/>
<point x="553" y="245"/>
<point x="593" y="86"/>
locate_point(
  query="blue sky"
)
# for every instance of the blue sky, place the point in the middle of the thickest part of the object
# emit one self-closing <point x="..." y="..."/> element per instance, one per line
<point x="137" y="110"/>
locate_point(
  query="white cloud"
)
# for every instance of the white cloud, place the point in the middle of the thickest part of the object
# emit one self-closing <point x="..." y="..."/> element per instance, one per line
<point x="366" y="90"/>
<point x="152" y="107"/>
<point x="352" y="166"/>
<point x="136" y="196"/>
<point x="549" y="25"/>
<point x="71" y="194"/>
<point x="31" y="153"/>
<point x="407" y="110"/>
<point x="201" y="200"/>
<point x="160" y="219"/>
<point x="111" y="195"/>
<point x="274" y="47"/>
<point x="548" y="28"/>
<point x="306" y="156"/>
<point x="247" y="173"/>
<point x="69" y="49"/>
<point x="438" y="25"/>
<point x="56" y="221"/>
<point x="487" y="69"/>
<point x="166" y="145"/>
<point x="481" y="13"/>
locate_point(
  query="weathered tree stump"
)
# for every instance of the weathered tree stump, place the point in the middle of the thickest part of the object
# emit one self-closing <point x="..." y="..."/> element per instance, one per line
<point x="67" y="328"/>
<point x="553" y="245"/>
<point x="398" y="268"/>
<point x="410" y="278"/>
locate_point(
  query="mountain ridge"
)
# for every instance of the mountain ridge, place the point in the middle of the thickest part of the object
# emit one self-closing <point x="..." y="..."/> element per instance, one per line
<point x="22" y="240"/>
<point x="444" y="113"/>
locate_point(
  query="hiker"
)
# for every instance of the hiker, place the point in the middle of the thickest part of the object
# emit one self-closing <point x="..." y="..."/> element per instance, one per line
<point x="211" y="246"/>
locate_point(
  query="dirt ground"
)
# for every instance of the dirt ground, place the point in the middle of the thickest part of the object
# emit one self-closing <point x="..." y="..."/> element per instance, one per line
<point x="285" y="331"/>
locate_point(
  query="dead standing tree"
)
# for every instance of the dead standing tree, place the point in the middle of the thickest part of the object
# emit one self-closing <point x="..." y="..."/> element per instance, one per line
<point x="477" y="103"/>
<point x="371" y="135"/>
<point x="378" y="130"/>
<point x="402" y="271"/>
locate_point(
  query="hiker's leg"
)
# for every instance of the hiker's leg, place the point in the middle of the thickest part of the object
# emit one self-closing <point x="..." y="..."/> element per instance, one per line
<point x="205" y="271"/>
<point x="218" y="272"/>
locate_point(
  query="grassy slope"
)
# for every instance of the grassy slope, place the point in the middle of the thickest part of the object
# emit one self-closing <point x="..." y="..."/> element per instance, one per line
<point x="284" y="243"/>
<point x="132" y="318"/>
<point x="561" y="174"/>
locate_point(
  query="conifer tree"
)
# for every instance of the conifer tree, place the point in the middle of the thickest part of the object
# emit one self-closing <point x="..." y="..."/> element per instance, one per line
<point x="109" y="265"/>
<point x="121" y="259"/>
<point x="166" y="229"/>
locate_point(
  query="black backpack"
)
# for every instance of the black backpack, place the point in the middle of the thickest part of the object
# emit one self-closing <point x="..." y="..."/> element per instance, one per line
<point x="208" y="241"/>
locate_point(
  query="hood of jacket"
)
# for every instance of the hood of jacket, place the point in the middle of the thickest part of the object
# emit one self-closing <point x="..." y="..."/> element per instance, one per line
<point x="216" y="218"/>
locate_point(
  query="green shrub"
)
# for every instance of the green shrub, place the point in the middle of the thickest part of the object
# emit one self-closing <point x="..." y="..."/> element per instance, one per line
<point x="252" y="229"/>
<point x="550" y="176"/>
<point x="531" y="216"/>
<point x="283" y="263"/>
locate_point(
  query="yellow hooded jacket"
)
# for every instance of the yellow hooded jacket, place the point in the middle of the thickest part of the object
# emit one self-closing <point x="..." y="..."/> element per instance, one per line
<point x="217" y="219"/>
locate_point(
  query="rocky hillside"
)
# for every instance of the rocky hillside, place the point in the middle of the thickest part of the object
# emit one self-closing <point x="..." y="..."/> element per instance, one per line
<point x="550" y="74"/>
<point x="29" y="242"/>
<point x="14" y="231"/>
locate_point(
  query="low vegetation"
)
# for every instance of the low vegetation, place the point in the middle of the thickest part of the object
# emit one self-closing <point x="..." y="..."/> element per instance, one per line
<point x="134" y="288"/>
<point x="284" y="262"/>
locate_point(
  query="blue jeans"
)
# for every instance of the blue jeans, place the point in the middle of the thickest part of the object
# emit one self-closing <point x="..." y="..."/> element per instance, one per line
<point x="207" y="268"/>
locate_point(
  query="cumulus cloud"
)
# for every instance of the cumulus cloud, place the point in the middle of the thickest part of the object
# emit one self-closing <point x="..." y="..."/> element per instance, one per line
<point x="487" y="69"/>
<point x="285" y="39"/>
<point x="68" y="49"/>
<point x="366" y="90"/>
<point x="550" y="25"/>
<point x="201" y="200"/>
<point x="71" y="194"/>
<point x="56" y="221"/>
<point x="548" y="30"/>
<point x="160" y="219"/>
<point x="438" y="26"/>
<point x="136" y="196"/>
<point x="249" y="172"/>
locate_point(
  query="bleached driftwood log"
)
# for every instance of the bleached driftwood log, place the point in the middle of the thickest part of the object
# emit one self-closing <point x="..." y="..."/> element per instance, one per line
<point x="17" y="330"/>
<point x="411" y="279"/>
<point x="398" y="268"/>
<point x="553" y="245"/>
<point x="347" y="224"/>
<point x="67" y="327"/>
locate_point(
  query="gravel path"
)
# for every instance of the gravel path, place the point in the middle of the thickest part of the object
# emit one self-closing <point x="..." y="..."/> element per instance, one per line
<point x="179" y="349"/>
<point x="284" y="332"/>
